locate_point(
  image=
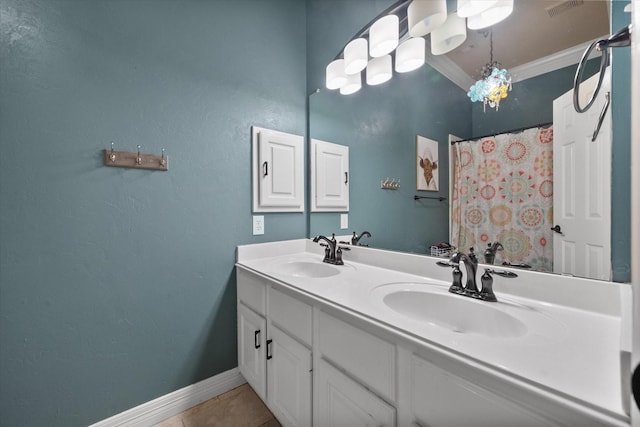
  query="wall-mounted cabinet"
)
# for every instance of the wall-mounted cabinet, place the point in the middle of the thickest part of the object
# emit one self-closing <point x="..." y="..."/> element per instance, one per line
<point x="277" y="170"/>
<point x="329" y="177"/>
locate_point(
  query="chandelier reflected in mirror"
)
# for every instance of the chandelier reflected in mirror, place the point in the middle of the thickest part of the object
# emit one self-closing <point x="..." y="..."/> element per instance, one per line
<point x="494" y="84"/>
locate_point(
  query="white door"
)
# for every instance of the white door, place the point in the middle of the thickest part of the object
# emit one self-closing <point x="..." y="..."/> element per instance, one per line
<point x="251" y="349"/>
<point x="582" y="185"/>
<point x="288" y="379"/>
<point x="339" y="401"/>
<point x="329" y="177"/>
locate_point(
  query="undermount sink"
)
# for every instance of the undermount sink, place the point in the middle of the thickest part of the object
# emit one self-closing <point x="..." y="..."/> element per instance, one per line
<point x="457" y="313"/>
<point x="306" y="269"/>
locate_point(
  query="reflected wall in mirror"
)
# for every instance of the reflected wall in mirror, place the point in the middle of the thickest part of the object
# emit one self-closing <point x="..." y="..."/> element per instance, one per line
<point x="380" y="124"/>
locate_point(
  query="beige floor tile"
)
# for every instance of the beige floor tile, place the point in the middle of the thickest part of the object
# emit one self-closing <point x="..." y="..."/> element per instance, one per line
<point x="239" y="407"/>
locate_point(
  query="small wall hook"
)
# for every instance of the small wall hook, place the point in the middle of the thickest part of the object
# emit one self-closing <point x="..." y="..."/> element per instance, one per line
<point x="112" y="156"/>
<point x="163" y="160"/>
<point x="139" y="159"/>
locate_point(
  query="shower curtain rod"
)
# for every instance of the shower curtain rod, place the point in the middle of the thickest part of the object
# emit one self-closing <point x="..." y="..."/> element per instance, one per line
<point x="540" y="125"/>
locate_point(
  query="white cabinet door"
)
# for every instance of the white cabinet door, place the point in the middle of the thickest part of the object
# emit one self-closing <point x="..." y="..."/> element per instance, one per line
<point x="339" y="401"/>
<point x="440" y="399"/>
<point x="329" y="177"/>
<point x="278" y="171"/>
<point x="288" y="379"/>
<point x="251" y="348"/>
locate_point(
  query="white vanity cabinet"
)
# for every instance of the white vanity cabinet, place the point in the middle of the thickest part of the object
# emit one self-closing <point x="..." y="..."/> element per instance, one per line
<point x="368" y="372"/>
<point x="274" y="348"/>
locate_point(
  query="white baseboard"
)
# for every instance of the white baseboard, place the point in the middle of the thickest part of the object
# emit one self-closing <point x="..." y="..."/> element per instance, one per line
<point x="157" y="410"/>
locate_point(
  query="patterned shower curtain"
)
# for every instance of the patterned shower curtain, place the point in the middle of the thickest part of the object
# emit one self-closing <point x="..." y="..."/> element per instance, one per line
<point x="503" y="191"/>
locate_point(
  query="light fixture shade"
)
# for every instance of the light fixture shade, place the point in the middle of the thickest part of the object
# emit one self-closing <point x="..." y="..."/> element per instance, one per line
<point x="336" y="77"/>
<point x="383" y="35"/>
<point x="449" y="36"/>
<point x="354" y="83"/>
<point x="425" y="16"/>
<point x="356" y="55"/>
<point x="467" y="8"/>
<point x="410" y="54"/>
<point x="491" y="16"/>
<point x="379" y="70"/>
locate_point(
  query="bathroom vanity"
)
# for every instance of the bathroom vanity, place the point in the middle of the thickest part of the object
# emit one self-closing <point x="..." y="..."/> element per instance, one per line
<point x="380" y="341"/>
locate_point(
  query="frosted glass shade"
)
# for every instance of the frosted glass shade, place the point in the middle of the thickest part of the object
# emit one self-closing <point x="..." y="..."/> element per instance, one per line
<point x="499" y="11"/>
<point x="356" y="55"/>
<point x="383" y="35"/>
<point x="467" y="8"/>
<point x="353" y="84"/>
<point x="425" y="16"/>
<point x="336" y="77"/>
<point x="410" y="54"/>
<point x="449" y="36"/>
<point x="379" y="70"/>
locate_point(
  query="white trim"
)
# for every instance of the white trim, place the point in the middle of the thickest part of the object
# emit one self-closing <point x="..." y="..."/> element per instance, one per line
<point x="157" y="410"/>
<point x="549" y="63"/>
<point x="450" y="70"/>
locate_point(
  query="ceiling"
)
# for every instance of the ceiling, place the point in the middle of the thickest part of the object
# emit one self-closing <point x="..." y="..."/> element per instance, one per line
<point x="535" y="29"/>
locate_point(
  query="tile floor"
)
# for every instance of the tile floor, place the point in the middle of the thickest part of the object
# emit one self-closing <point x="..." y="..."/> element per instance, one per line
<point x="240" y="407"/>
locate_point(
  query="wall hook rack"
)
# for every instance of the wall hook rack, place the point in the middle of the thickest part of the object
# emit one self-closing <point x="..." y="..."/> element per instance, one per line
<point x="440" y="198"/>
<point x="390" y="184"/>
<point x="136" y="159"/>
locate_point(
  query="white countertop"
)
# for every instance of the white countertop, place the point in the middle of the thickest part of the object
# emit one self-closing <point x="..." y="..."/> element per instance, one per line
<point x="571" y="348"/>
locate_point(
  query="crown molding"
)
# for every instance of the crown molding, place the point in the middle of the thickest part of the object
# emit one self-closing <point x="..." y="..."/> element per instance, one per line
<point x="549" y="63"/>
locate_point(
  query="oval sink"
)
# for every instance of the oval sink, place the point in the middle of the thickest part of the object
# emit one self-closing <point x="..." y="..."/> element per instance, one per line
<point x="306" y="269"/>
<point x="455" y="312"/>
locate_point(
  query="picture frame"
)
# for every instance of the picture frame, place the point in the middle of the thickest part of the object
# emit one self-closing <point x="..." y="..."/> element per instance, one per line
<point x="427" y="164"/>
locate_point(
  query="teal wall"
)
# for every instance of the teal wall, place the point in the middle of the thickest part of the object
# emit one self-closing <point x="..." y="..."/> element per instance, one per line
<point x="117" y="285"/>
<point x="621" y="171"/>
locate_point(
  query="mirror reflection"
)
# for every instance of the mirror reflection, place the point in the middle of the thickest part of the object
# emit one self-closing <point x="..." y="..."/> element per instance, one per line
<point x="381" y="125"/>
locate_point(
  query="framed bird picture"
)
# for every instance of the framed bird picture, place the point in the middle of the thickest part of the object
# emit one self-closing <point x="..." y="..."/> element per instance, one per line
<point x="426" y="164"/>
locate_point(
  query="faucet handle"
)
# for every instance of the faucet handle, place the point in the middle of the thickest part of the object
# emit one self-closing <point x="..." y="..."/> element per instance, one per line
<point x="338" y="260"/>
<point x="472" y="256"/>
<point x="486" y="294"/>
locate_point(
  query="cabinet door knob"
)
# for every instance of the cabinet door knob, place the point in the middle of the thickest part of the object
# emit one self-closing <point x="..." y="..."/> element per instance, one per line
<point x="346" y="177"/>
<point x="269" y="356"/>
<point x="256" y="339"/>
<point x="265" y="169"/>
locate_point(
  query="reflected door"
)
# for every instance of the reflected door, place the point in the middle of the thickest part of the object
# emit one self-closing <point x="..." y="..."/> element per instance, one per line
<point x="582" y="183"/>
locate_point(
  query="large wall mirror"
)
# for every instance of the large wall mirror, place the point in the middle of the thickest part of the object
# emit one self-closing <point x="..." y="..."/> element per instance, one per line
<point x="380" y="123"/>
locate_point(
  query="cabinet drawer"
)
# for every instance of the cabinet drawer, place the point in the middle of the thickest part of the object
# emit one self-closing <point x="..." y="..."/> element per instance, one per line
<point x="251" y="291"/>
<point x="364" y="356"/>
<point x="290" y="315"/>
